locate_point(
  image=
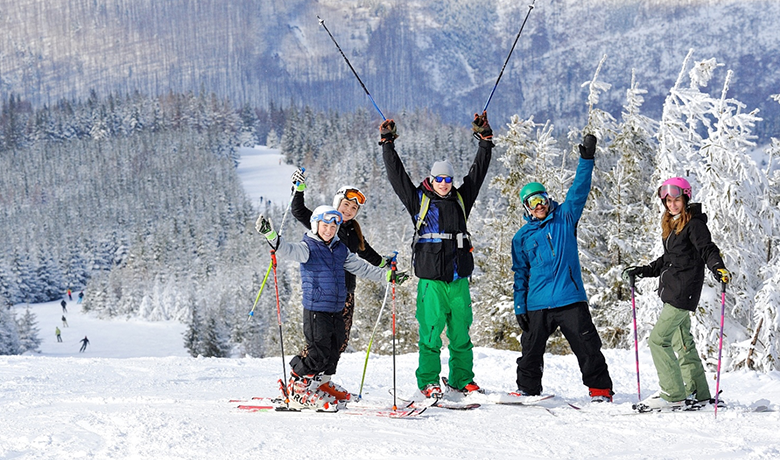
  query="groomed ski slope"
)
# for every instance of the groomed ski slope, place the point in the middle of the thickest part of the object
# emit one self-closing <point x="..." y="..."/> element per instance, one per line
<point x="136" y="394"/>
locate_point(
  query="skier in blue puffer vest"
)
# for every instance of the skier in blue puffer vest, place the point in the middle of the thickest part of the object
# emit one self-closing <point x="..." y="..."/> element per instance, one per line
<point x="323" y="258"/>
<point x="548" y="288"/>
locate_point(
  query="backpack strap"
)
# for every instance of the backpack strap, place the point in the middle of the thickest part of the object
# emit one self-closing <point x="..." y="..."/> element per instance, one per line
<point x="425" y="204"/>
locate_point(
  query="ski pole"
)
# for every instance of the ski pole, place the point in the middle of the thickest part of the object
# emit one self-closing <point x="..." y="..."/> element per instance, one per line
<point x="281" y="335"/>
<point x="371" y="341"/>
<point x="636" y="342"/>
<point x="394" y="268"/>
<point x="373" y="333"/>
<point x="720" y="342"/>
<point x="322" y="23"/>
<point x="270" y="264"/>
<point x="530" y="7"/>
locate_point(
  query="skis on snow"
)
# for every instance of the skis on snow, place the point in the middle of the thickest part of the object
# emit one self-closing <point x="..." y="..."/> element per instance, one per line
<point x="262" y="404"/>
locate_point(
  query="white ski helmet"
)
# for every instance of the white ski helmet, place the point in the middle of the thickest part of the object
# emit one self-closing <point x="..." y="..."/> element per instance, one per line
<point x="351" y="193"/>
<point x="326" y="214"/>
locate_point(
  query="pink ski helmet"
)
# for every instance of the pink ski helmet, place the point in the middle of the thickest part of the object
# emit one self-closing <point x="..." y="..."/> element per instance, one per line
<point x="675" y="186"/>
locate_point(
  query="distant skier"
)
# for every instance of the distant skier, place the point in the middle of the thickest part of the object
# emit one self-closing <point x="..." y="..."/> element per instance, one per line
<point x="84" y="343"/>
<point x="64" y="306"/>
<point x="81" y="297"/>
<point x="57" y="331"/>
<point x="70" y="295"/>
<point x="64" y="321"/>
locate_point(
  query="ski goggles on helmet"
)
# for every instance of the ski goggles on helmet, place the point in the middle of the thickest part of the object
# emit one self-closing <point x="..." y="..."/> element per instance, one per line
<point x="535" y="200"/>
<point x="670" y="190"/>
<point x="355" y="195"/>
<point x="446" y="179"/>
<point x="330" y="217"/>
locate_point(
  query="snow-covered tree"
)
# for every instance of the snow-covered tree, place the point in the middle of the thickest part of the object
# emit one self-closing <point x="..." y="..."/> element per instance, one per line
<point x="28" y="332"/>
<point x="9" y="333"/>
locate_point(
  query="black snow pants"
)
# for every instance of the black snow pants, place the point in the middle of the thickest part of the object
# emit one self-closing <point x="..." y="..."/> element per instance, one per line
<point x="577" y="327"/>
<point x="325" y="333"/>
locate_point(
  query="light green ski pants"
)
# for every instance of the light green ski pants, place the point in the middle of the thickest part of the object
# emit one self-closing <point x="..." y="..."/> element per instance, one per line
<point x="439" y="305"/>
<point x="680" y="371"/>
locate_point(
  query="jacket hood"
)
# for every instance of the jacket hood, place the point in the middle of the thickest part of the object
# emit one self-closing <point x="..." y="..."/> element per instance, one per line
<point x="696" y="212"/>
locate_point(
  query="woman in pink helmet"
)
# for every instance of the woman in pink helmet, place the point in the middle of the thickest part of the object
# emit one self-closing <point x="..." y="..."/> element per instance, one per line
<point x="688" y="247"/>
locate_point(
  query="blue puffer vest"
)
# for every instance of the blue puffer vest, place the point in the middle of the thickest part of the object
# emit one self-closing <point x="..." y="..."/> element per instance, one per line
<point x="322" y="276"/>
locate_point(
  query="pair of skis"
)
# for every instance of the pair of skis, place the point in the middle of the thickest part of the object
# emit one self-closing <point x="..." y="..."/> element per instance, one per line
<point x="260" y="404"/>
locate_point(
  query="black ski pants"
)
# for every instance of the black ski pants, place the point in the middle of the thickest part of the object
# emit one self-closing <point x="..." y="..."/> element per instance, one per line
<point x="577" y="327"/>
<point x="325" y="333"/>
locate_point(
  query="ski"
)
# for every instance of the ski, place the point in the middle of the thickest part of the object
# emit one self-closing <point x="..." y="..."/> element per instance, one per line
<point x="492" y="397"/>
<point x="436" y="402"/>
<point x="264" y="404"/>
<point x="384" y="412"/>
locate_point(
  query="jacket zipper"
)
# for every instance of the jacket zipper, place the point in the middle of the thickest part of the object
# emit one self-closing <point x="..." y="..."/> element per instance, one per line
<point x="549" y="240"/>
<point x="571" y="276"/>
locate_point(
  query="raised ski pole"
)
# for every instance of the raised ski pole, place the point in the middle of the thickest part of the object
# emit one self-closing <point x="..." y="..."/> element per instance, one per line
<point x="394" y="268"/>
<point x="322" y="23"/>
<point x="632" y="280"/>
<point x="720" y="342"/>
<point x="371" y="341"/>
<point x="530" y="7"/>
<point x="271" y="263"/>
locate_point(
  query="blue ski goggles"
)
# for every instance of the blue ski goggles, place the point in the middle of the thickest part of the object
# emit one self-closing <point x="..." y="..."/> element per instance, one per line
<point x="446" y="179"/>
<point x="330" y="217"/>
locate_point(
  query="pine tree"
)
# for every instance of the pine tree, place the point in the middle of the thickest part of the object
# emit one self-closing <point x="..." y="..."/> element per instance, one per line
<point x="10" y="343"/>
<point x="28" y="332"/>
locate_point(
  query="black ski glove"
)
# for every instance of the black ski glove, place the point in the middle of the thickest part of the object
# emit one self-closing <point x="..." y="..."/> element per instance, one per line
<point x="633" y="273"/>
<point x="588" y="147"/>
<point x="481" y="127"/>
<point x="388" y="132"/>
<point x="522" y="321"/>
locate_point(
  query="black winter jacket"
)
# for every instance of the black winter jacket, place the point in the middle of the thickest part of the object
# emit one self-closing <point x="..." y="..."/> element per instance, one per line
<point x="347" y="235"/>
<point x="440" y="259"/>
<point x="681" y="267"/>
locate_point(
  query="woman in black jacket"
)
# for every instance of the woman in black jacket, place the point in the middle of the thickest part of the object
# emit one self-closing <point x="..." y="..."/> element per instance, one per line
<point x="347" y="201"/>
<point x="688" y="247"/>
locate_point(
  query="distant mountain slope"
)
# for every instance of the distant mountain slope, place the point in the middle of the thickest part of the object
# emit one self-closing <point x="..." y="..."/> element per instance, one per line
<point x="445" y="55"/>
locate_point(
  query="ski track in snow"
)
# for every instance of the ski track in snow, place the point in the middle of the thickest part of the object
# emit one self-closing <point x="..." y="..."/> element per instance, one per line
<point x="136" y="393"/>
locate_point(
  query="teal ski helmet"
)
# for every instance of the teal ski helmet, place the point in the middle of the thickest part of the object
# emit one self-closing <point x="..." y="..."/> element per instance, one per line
<point x="532" y="188"/>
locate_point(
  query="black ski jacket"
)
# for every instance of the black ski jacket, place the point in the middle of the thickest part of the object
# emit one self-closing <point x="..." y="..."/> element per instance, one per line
<point x="435" y="258"/>
<point x="347" y="235"/>
<point x="681" y="267"/>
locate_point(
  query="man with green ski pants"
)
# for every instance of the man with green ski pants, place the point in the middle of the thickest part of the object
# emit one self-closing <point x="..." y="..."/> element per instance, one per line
<point x="442" y="256"/>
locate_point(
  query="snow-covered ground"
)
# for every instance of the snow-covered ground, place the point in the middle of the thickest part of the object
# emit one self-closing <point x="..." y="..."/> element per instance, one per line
<point x="265" y="176"/>
<point x="136" y="394"/>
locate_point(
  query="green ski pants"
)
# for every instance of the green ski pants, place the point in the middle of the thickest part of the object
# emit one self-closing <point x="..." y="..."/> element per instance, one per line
<point x="680" y="371"/>
<point x="439" y="305"/>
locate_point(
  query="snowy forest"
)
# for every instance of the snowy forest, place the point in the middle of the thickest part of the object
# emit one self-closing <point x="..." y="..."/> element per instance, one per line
<point x="136" y="200"/>
<point x="413" y="54"/>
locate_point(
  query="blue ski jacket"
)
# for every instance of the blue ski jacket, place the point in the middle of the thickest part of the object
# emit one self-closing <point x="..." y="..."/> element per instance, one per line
<point x="545" y="257"/>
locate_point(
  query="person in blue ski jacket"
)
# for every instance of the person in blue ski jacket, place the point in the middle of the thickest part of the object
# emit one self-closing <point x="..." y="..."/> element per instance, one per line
<point x="548" y="288"/>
